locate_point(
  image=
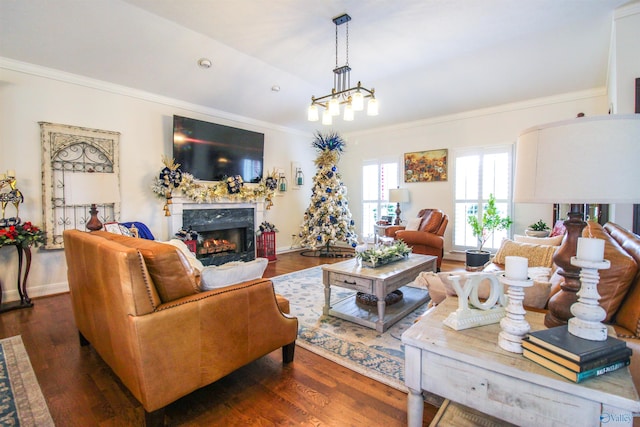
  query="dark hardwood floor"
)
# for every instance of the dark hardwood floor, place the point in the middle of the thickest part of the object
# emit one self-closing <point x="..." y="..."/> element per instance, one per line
<point x="81" y="390"/>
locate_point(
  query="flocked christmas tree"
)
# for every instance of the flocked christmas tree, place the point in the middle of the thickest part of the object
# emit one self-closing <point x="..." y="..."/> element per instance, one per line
<point x="327" y="220"/>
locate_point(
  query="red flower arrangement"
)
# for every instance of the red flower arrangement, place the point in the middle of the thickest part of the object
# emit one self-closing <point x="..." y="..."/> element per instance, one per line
<point x="25" y="234"/>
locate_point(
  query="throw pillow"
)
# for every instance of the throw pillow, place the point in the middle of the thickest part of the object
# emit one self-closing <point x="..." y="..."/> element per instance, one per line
<point x="432" y="282"/>
<point x="191" y="257"/>
<point x="558" y="229"/>
<point x="413" y="224"/>
<point x="538" y="255"/>
<point x="550" y="241"/>
<point x="231" y="273"/>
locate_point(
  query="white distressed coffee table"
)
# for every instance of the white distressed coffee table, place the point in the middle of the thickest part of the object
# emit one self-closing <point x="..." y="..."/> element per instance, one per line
<point x="468" y="367"/>
<point x="378" y="281"/>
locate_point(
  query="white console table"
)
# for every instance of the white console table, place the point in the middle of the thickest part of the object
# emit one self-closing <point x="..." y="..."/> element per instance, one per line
<point x="468" y="367"/>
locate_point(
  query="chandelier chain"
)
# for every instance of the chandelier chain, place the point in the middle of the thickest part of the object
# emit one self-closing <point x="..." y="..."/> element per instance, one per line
<point x="336" y="46"/>
<point x="347" y="44"/>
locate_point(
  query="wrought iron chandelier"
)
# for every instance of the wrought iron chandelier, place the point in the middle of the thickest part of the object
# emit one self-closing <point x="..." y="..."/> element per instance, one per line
<point x="342" y="92"/>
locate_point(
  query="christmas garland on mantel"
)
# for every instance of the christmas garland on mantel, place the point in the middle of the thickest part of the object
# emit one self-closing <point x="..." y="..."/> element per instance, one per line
<point x="230" y="190"/>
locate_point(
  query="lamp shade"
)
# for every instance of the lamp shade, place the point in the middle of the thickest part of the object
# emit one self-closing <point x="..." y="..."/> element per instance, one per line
<point x="399" y="195"/>
<point x="91" y="188"/>
<point x="584" y="160"/>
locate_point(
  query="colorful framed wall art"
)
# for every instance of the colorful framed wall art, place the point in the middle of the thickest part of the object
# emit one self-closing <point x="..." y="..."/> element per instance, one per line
<point x="426" y="166"/>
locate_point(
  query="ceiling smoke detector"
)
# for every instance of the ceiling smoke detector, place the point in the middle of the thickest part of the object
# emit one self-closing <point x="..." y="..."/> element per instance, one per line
<point x="204" y="63"/>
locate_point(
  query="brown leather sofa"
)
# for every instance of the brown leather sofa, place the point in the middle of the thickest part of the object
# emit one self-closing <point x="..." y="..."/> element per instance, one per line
<point x="626" y="318"/>
<point x="138" y="304"/>
<point x="428" y="239"/>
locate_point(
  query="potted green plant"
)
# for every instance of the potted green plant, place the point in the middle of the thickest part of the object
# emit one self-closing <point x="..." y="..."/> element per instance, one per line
<point x="483" y="228"/>
<point x="538" y="229"/>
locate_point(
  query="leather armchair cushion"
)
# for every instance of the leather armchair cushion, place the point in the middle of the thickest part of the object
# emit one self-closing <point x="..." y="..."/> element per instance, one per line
<point x="538" y="255"/>
<point x="432" y="222"/>
<point x="169" y="269"/>
<point x="420" y="238"/>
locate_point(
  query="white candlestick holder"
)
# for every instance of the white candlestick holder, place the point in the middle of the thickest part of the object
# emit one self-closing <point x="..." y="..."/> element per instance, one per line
<point x="587" y="322"/>
<point x="514" y="325"/>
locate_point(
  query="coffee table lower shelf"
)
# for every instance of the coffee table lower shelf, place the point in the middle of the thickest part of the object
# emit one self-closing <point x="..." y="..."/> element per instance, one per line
<point x="349" y="309"/>
<point x="453" y="414"/>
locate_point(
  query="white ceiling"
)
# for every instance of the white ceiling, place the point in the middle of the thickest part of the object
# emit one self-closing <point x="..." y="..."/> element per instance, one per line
<point x="424" y="58"/>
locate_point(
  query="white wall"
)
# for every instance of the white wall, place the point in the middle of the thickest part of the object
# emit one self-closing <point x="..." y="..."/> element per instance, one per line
<point x="625" y="63"/>
<point x="493" y="126"/>
<point x="29" y="95"/>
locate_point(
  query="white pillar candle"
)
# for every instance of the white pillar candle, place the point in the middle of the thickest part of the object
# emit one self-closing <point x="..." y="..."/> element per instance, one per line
<point x="3" y="176"/>
<point x="516" y="267"/>
<point x="590" y="249"/>
<point x="11" y="173"/>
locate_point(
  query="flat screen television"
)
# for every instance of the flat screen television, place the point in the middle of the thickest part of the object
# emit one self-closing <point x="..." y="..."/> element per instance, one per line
<point x="213" y="152"/>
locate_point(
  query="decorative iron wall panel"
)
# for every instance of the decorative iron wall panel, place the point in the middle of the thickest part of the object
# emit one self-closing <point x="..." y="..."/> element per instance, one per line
<point x="72" y="149"/>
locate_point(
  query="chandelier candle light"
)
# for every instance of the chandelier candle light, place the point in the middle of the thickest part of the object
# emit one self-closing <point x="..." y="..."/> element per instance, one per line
<point x="342" y="92"/>
<point x="514" y="326"/>
<point x="587" y="322"/>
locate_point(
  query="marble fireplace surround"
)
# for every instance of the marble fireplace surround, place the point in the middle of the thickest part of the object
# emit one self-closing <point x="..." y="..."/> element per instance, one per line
<point x="212" y="217"/>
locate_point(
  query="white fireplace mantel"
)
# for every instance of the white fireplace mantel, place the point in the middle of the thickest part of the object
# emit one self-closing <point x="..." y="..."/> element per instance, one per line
<point x="180" y="204"/>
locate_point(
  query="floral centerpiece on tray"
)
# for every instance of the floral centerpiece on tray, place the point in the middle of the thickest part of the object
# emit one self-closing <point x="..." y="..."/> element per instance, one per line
<point x="25" y="234"/>
<point x="382" y="254"/>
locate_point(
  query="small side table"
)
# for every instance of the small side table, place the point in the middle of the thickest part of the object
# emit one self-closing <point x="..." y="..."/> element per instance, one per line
<point x="24" y="257"/>
<point x="379" y="231"/>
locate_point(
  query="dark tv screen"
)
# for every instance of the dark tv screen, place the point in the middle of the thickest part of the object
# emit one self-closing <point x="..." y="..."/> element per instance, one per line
<point x="213" y="152"/>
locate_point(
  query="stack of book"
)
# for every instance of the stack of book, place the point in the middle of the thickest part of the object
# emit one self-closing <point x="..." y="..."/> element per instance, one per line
<point x="573" y="357"/>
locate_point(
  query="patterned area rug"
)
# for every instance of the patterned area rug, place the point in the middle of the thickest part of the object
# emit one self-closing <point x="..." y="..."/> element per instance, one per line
<point x="361" y="349"/>
<point x="21" y="400"/>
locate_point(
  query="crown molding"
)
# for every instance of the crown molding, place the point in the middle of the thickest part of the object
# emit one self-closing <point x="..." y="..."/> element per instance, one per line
<point x="498" y="109"/>
<point x="75" y="79"/>
<point x="627" y="10"/>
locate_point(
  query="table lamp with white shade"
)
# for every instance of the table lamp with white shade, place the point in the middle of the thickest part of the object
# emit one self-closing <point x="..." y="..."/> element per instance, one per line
<point x="398" y="195"/>
<point x="91" y="189"/>
<point x="587" y="160"/>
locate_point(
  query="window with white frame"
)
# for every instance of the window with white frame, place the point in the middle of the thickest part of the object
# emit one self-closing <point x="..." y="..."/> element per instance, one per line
<point x="480" y="172"/>
<point x="377" y="178"/>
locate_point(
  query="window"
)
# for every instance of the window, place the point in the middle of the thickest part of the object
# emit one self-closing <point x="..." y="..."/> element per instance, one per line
<point x="480" y="172"/>
<point x="377" y="178"/>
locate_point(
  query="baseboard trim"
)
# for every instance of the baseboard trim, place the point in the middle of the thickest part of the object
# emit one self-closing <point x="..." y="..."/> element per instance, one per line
<point x="36" y="291"/>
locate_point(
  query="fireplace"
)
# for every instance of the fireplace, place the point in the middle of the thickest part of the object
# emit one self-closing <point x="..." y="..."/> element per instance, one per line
<point x="226" y="234"/>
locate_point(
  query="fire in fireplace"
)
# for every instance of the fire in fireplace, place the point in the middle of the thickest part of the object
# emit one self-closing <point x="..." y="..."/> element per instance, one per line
<point x="225" y="234"/>
<point x="214" y="246"/>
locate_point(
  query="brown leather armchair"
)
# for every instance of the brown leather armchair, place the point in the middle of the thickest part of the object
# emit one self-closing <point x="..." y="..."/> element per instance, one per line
<point x="137" y="302"/>
<point x="429" y="238"/>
